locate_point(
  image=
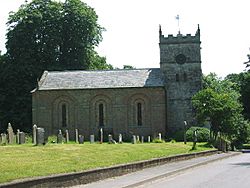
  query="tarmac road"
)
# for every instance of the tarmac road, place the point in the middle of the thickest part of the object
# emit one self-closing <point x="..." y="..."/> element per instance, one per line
<point x="228" y="173"/>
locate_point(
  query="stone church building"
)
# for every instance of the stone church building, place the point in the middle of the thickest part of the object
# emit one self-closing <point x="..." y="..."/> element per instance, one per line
<point x="137" y="101"/>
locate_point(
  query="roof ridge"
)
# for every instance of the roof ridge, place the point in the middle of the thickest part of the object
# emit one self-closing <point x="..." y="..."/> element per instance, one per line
<point x="109" y="70"/>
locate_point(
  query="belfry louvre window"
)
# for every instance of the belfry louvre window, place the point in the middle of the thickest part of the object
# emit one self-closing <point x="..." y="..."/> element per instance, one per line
<point x="64" y="115"/>
<point x="101" y="115"/>
<point x="139" y="114"/>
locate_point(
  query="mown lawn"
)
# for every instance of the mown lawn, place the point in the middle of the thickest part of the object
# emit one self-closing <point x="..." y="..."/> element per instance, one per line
<point x="20" y="161"/>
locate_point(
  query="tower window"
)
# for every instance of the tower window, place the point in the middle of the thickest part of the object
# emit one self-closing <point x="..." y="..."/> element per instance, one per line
<point x="139" y="114"/>
<point x="64" y="115"/>
<point x="101" y="115"/>
<point x="185" y="77"/>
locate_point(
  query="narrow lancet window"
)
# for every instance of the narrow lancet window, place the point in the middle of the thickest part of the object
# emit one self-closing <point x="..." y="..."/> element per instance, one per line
<point x="139" y="114"/>
<point x="177" y="77"/>
<point x="64" y="115"/>
<point x="101" y="115"/>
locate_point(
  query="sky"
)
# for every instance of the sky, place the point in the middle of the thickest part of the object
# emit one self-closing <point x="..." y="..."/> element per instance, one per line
<point x="132" y="37"/>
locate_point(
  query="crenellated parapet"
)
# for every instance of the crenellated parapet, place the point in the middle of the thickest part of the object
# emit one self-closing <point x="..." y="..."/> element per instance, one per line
<point x="179" y="38"/>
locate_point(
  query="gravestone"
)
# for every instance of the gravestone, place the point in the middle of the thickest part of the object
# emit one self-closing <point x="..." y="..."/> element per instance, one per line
<point x="21" y="138"/>
<point x="149" y="139"/>
<point x="59" y="137"/>
<point x="159" y="136"/>
<point x="17" y="136"/>
<point x="194" y="139"/>
<point x="101" y="136"/>
<point x="77" y="135"/>
<point x="142" y="139"/>
<point x="81" y="139"/>
<point x="4" y="139"/>
<point x="11" y="135"/>
<point x="133" y="139"/>
<point x="110" y="139"/>
<point x="120" y="139"/>
<point x="66" y="136"/>
<point x="138" y="139"/>
<point x="40" y="136"/>
<point x="92" y="139"/>
<point x="34" y="134"/>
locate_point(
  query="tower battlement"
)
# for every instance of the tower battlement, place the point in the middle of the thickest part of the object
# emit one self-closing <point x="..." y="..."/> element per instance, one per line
<point x="179" y="38"/>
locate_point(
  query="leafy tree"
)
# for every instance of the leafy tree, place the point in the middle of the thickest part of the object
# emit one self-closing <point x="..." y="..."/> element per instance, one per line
<point x="45" y="35"/>
<point x="219" y="102"/>
<point x="99" y="63"/>
<point x="128" y="67"/>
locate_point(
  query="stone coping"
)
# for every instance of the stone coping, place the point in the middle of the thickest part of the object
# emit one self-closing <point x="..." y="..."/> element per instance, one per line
<point x="88" y="176"/>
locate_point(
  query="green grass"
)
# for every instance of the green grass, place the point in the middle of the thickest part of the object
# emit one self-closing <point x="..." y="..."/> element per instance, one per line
<point x="20" y="161"/>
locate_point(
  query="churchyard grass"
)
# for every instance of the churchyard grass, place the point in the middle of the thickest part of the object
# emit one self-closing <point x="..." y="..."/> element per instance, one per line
<point x="21" y="161"/>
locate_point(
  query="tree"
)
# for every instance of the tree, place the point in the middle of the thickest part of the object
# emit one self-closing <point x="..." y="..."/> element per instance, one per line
<point x="219" y="102"/>
<point x="45" y="35"/>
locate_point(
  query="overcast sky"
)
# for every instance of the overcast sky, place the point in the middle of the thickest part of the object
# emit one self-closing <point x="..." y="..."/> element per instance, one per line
<point x="131" y="36"/>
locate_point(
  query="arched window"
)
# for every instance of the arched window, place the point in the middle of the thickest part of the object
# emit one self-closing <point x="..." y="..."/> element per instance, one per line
<point x="101" y="115"/>
<point x="185" y="77"/>
<point x="177" y="77"/>
<point x="64" y="115"/>
<point x="139" y="114"/>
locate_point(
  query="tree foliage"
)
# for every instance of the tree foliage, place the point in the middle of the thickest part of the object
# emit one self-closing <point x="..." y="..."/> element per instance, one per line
<point x="45" y="35"/>
<point x="219" y="103"/>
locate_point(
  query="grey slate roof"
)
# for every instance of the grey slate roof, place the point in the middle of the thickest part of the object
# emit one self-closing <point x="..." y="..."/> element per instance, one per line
<point x="125" y="78"/>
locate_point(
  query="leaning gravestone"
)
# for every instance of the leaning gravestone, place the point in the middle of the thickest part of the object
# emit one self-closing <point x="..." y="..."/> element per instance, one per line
<point x="40" y="136"/>
<point x="133" y="139"/>
<point x="11" y="135"/>
<point x="59" y="137"/>
<point x="81" y="139"/>
<point x="34" y="134"/>
<point x="92" y="139"/>
<point x="21" y="138"/>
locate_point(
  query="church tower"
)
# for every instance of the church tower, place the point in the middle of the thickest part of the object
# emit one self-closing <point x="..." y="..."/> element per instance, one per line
<point x="180" y="62"/>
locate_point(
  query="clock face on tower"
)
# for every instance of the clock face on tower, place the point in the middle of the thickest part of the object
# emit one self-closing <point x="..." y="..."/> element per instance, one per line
<point x="180" y="59"/>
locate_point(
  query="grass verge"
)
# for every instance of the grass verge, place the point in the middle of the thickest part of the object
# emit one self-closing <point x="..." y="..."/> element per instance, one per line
<point x="21" y="161"/>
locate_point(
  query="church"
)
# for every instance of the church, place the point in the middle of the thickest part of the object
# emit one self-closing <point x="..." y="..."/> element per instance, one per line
<point x="142" y="102"/>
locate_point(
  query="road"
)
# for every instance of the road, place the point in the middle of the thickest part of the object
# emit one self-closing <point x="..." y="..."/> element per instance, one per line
<point x="229" y="173"/>
<point x="220" y="170"/>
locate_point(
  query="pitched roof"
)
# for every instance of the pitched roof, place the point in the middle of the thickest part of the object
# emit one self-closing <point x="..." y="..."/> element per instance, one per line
<point x="125" y="78"/>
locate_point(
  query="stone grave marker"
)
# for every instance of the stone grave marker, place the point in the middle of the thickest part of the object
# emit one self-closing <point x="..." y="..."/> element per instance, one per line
<point x="138" y="139"/>
<point x="34" y="134"/>
<point x="11" y="135"/>
<point x="17" y="136"/>
<point x="77" y="135"/>
<point x="133" y="139"/>
<point x="159" y="136"/>
<point x="149" y="139"/>
<point x="81" y="139"/>
<point x="67" y="136"/>
<point x="92" y="139"/>
<point x="21" y="138"/>
<point x="59" y="137"/>
<point x="101" y="136"/>
<point x="4" y="139"/>
<point x="120" y="139"/>
<point x="40" y="136"/>
<point x="142" y="139"/>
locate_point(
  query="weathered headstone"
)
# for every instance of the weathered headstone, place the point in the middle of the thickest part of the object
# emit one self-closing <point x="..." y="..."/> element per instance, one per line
<point x="11" y="136"/>
<point x="159" y="136"/>
<point x="120" y="138"/>
<point x="59" y="137"/>
<point x="142" y="139"/>
<point x="101" y="136"/>
<point x="133" y="139"/>
<point x="92" y="139"/>
<point x="110" y="138"/>
<point x="40" y="136"/>
<point x="149" y="139"/>
<point x="81" y="139"/>
<point x="17" y="136"/>
<point x="34" y="134"/>
<point x="66" y="136"/>
<point x="77" y="135"/>
<point x="138" y="139"/>
<point x="3" y="138"/>
<point x="21" y="138"/>
<point x="194" y="139"/>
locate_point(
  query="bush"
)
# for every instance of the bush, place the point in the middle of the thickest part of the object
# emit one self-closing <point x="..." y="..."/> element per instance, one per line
<point x="202" y="134"/>
<point x="157" y="140"/>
